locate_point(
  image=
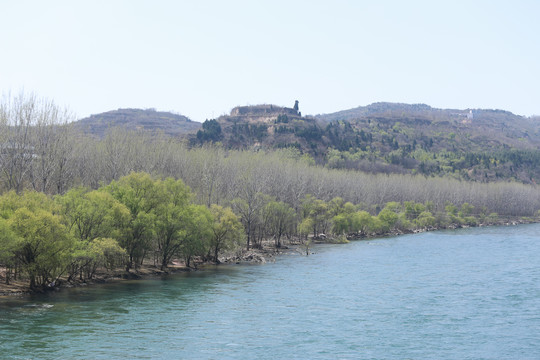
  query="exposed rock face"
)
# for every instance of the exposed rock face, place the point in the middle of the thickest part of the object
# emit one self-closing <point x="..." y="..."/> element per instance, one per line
<point x="260" y="110"/>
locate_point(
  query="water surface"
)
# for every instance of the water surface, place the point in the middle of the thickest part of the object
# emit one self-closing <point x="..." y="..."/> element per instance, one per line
<point x="465" y="294"/>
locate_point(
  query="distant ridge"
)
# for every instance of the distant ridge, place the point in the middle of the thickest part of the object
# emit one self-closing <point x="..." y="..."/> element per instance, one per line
<point x="137" y="119"/>
<point x="400" y="109"/>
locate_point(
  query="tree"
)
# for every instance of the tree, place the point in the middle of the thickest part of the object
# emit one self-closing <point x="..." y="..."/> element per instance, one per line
<point x="51" y="144"/>
<point x="93" y="214"/>
<point x="8" y="246"/>
<point x="250" y="201"/>
<point x="227" y="231"/>
<point x="305" y="227"/>
<point x="34" y="142"/>
<point x="363" y="222"/>
<point x="388" y="219"/>
<point x="17" y="115"/>
<point x="281" y="220"/>
<point x="211" y="131"/>
<point x="93" y="217"/>
<point x="425" y="220"/>
<point x="43" y="245"/>
<point x="139" y="193"/>
<point x="341" y="224"/>
<point x="197" y="236"/>
<point x="295" y="107"/>
<point x="317" y="210"/>
<point x="174" y="219"/>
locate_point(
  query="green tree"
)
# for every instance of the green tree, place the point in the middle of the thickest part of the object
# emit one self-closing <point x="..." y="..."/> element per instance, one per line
<point x="197" y="235"/>
<point x="173" y="218"/>
<point x="281" y="218"/>
<point x="425" y="219"/>
<point x="341" y="224"/>
<point x="8" y="246"/>
<point x="140" y="194"/>
<point x="108" y="253"/>
<point x="388" y="219"/>
<point x="88" y="256"/>
<point x="92" y="214"/>
<point x="305" y="227"/>
<point x="44" y="245"/>
<point x="317" y="210"/>
<point x="363" y="222"/>
<point x="211" y="131"/>
<point x="227" y="231"/>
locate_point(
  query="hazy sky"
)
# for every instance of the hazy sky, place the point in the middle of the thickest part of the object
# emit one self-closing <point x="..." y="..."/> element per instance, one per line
<point x="202" y="58"/>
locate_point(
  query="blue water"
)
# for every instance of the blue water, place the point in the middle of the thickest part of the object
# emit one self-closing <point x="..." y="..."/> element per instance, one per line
<point x="465" y="294"/>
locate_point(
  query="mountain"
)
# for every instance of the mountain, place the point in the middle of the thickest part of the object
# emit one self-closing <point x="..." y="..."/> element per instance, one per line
<point x="449" y="129"/>
<point x="269" y="127"/>
<point x="470" y="144"/>
<point x="137" y="119"/>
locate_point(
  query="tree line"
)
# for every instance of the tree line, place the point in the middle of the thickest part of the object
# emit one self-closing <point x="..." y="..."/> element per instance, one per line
<point x="139" y="218"/>
<point x="136" y="218"/>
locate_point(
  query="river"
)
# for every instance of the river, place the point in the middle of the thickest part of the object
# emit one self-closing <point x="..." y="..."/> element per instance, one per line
<point x="463" y="294"/>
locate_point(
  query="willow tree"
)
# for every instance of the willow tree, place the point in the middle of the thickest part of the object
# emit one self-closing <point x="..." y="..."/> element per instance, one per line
<point x="227" y="231"/>
<point x="8" y="246"/>
<point x="140" y="194"/>
<point x="174" y="218"/>
<point x="43" y="245"/>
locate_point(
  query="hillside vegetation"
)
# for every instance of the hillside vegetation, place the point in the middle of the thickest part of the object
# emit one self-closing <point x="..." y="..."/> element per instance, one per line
<point x="479" y="145"/>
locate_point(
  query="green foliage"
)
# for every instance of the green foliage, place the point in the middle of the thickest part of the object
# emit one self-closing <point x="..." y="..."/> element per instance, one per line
<point x="281" y="220"/>
<point x="211" y="131"/>
<point x="317" y="210"/>
<point x="388" y="219"/>
<point x="227" y="231"/>
<point x="173" y="218"/>
<point x="341" y="224"/>
<point x="42" y="244"/>
<point x="413" y="210"/>
<point x="197" y="237"/>
<point x="92" y="214"/>
<point x="305" y="227"/>
<point x="363" y="222"/>
<point x="140" y="194"/>
<point x="425" y="220"/>
<point x="466" y="210"/>
<point x="107" y="253"/>
<point x="87" y="256"/>
<point x="8" y="243"/>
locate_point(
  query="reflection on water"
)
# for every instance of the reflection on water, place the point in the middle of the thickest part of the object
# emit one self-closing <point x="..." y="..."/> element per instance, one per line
<point x="452" y="294"/>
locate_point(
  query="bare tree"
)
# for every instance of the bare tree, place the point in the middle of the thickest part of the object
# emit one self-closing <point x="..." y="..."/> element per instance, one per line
<point x="51" y="139"/>
<point x="17" y="115"/>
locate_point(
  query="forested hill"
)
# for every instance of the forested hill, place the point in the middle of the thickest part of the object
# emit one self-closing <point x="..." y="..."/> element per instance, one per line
<point x="469" y="144"/>
<point x="137" y="119"/>
<point x="486" y="129"/>
<point x="266" y="127"/>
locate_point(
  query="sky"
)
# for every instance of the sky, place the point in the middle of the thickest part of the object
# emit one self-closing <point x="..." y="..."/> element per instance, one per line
<point x="202" y="58"/>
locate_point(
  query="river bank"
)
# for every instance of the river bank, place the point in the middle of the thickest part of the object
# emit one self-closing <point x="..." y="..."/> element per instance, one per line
<point x="147" y="270"/>
<point x="266" y="253"/>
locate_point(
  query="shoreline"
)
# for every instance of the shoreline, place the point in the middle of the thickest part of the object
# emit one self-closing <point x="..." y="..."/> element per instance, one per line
<point x="253" y="256"/>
